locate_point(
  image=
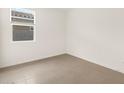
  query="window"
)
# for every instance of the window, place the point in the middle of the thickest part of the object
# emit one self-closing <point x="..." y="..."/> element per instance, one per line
<point x="23" y="22"/>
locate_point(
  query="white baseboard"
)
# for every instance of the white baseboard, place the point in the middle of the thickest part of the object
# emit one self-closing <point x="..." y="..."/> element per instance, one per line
<point x="104" y="65"/>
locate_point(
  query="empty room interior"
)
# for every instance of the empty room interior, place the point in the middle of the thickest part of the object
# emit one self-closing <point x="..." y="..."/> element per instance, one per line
<point x="61" y="45"/>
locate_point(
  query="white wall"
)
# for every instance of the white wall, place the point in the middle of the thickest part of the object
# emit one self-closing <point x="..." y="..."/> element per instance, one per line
<point x="0" y="37"/>
<point x="97" y="35"/>
<point x="50" y="38"/>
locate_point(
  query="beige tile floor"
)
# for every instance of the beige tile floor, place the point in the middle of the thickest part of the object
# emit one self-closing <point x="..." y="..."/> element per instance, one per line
<point x="63" y="69"/>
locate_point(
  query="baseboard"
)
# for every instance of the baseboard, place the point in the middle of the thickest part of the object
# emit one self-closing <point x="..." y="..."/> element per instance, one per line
<point x="28" y="62"/>
<point x="95" y="62"/>
<point x="32" y="60"/>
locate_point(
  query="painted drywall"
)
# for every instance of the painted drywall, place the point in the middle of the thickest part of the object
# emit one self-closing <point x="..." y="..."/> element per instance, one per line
<point x="0" y="38"/>
<point x="50" y="38"/>
<point x="97" y="35"/>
